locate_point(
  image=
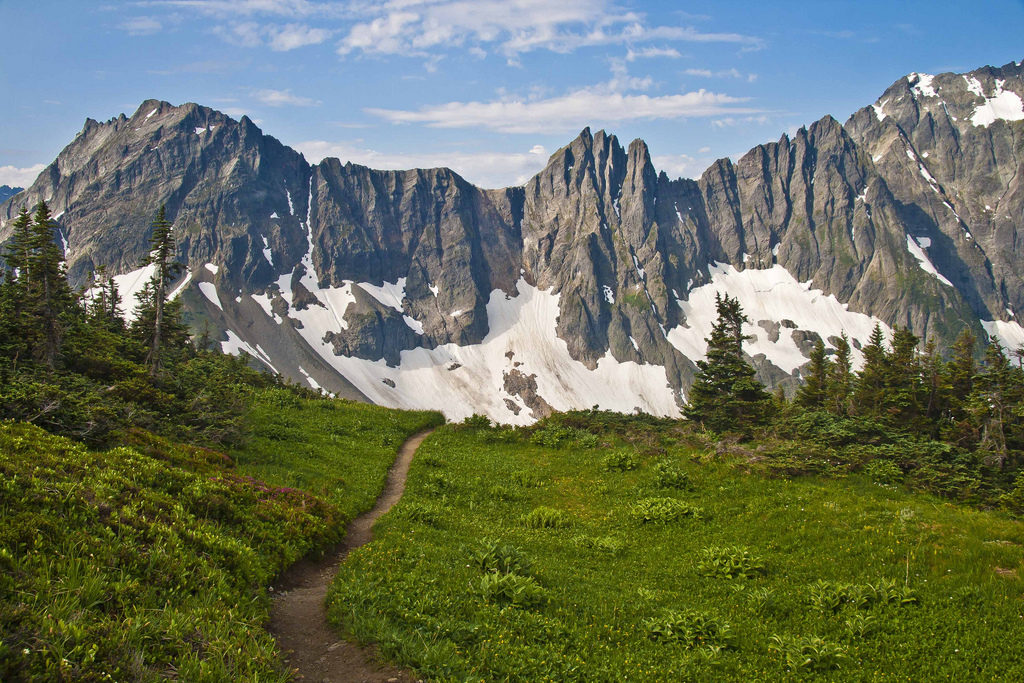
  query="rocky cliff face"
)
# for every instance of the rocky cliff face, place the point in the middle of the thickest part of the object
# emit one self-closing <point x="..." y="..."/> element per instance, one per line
<point x="6" y="192"/>
<point x="592" y="284"/>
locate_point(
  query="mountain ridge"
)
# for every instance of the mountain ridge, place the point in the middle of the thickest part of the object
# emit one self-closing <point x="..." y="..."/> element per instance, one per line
<point x="342" y="276"/>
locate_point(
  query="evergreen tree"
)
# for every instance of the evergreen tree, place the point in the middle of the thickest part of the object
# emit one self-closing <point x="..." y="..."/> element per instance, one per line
<point x="726" y="395"/>
<point x="49" y="293"/>
<point x="15" y="331"/>
<point x="903" y="391"/>
<point x="840" y="379"/>
<point x="869" y="386"/>
<point x="991" y="403"/>
<point x="812" y="393"/>
<point x="161" y="255"/>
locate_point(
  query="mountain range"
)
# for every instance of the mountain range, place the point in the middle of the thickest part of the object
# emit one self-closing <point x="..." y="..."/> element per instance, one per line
<point x="592" y="284"/>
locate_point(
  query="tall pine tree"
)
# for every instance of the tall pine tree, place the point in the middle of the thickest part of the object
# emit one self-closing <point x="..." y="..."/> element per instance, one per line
<point x="726" y="395"/>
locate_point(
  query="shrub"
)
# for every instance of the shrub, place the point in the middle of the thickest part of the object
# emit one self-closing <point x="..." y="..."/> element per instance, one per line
<point x="560" y="436"/>
<point x="491" y="555"/>
<point x="603" y="544"/>
<point x="620" y="461"/>
<point x="667" y="475"/>
<point x="810" y="653"/>
<point x="829" y="597"/>
<point x="730" y="562"/>
<point x="510" y="589"/>
<point x="663" y="510"/>
<point x="546" y="518"/>
<point x="883" y="472"/>
<point x="477" y="421"/>
<point x="691" y="629"/>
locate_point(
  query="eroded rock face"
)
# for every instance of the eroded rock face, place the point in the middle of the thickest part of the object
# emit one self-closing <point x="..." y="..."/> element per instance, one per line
<point x="910" y="213"/>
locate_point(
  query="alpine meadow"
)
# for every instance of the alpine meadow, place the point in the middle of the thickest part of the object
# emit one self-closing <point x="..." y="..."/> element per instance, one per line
<point x="449" y="383"/>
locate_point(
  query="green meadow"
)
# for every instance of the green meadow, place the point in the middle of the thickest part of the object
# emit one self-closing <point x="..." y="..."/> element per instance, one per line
<point x="621" y="551"/>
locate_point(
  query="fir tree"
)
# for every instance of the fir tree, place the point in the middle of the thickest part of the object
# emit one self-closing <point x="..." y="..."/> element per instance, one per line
<point x="161" y="255"/>
<point x="869" y="386"/>
<point x="726" y="395"/>
<point x="840" y="379"/>
<point x="812" y="393"/>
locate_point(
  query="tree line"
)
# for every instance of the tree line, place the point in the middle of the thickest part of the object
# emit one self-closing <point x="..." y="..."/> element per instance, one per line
<point x="70" y="361"/>
<point x="960" y="419"/>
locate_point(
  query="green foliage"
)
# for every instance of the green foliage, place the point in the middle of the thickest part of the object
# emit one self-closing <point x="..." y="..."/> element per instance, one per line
<point x="543" y="517"/>
<point x="690" y="629"/>
<point x="492" y="555"/>
<point x="123" y="565"/>
<point x="829" y="597"/>
<point x="663" y="510"/>
<point x="620" y="460"/>
<point x="884" y="472"/>
<point x="808" y="654"/>
<point x="730" y="562"/>
<point x="555" y="435"/>
<point x="510" y="589"/>
<point x="668" y="475"/>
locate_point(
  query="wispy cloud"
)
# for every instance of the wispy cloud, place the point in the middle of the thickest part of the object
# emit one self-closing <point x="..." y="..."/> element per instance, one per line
<point x="280" y="98"/>
<point x="292" y="36"/>
<point x="235" y="8"/>
<point x="722" y="73"/>
<point x="20" y="177"/>
<point x="510" y="27"/>
<point x="651" y="52"/>
<point x="486" y="169"/>
<point x="609" y="102"/>
<point x="140" y="26"/>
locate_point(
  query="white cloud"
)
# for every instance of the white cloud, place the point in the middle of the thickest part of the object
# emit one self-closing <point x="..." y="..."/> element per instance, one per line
<point x="140" y="26"/>
<point x="484" y="169"/>
<point x="570" y="112"/>
<point x="651" y="53"/>
<point x="513" y="27"/>
<point x="20" y="177"/>
<point x="537" y="149"/>
<point x="234" y="8"/>
<point x="293" y="36"/>
<point x="683" y="165"/>
<point x="278" y="38"/>
<point x="724" y="73"/>
<point x="730" y="121"/>
<point x="280" y="98"/>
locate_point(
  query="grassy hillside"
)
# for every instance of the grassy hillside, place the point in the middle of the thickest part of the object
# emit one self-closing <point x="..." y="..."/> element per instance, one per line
<point x="151" y="561"/>
<point x="635" y="554"/>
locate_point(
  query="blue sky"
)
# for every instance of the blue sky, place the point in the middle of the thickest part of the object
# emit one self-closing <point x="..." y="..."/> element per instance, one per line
<point x="488" y="87"/>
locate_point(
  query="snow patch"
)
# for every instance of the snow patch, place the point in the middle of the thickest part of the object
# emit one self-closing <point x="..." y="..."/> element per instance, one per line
<point x="609" y="295"/>
<point x="434" y="289"/>
<point x="274" y="215"/>
<point x="235" y="345"/>
<point x="1011" y="334"/>
<point x="639" y="271"/>
<point x="1003" y="104"/>
<point x="312" y="382"/>
<point x="636" y="347"/>
<point x="291" y="207"/>
<point x="209" y="290"/>
<point x="525" y="326"/>
<point x="916" y="246"/>
<point x="768" y="294"/>
<point x="389" y="294"/>
<point x="879" y="110"/>
<point x="923" y="85"/>
<point x="150" y="113"/>
<point x="414" y="324"/>
<point x="456" y="313"/>
<point x="212" y="267"/>
<point x="266" y="250"/>
<point x="130" y="284"/>
<point x="974" y="86"/>
<point x="200" y="131"/>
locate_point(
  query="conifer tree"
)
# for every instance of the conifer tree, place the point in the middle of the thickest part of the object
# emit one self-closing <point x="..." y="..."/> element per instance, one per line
<point x="726" y="395"/>
<point x="991" y="402"/>
<point x="812" y="393"/>
<point x="161" y="255"/>
<point x="840" y="378"/>
<point x="869" y="385"/>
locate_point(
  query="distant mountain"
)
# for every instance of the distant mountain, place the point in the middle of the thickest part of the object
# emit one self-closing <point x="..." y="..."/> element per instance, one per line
<point x="594" y="283"/>
<point x="6" y="192"/>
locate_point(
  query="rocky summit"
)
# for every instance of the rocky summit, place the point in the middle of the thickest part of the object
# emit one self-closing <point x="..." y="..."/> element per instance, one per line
<point x="592" y="284"/>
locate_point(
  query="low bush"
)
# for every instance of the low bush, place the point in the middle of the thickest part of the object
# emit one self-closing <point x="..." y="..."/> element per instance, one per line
<point x="730" y="562"/>
<point x="546" y="518"/>
<point x="690" y="629"/>
<point x="663" y="510"/>
<point x="808" y="654"/>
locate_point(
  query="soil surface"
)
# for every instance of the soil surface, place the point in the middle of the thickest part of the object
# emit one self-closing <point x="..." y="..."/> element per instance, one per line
<point x="298" y="616"/>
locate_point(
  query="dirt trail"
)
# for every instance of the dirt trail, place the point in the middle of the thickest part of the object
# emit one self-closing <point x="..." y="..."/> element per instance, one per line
<point x="298" y="618"/>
